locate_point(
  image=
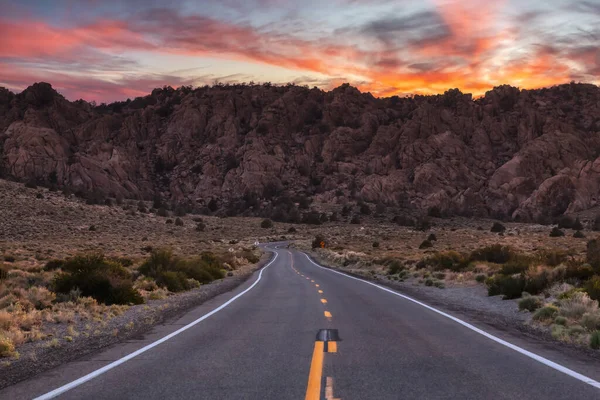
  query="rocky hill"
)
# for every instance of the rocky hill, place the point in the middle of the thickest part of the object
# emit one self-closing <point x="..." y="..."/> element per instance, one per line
<point x="520" y="154"/>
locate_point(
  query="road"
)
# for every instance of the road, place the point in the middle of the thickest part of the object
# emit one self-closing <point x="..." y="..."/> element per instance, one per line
<point x="262" y="345"/>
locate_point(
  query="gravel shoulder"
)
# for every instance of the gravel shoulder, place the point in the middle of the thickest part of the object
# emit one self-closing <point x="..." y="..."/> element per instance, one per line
<point x="37" y="357"/>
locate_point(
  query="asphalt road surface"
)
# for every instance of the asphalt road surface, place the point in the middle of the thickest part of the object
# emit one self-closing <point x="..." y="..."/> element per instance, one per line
<point x="261" y="343"/>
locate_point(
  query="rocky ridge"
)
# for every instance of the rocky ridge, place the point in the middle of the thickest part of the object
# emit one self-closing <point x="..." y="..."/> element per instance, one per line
<point x="512" y="154"/>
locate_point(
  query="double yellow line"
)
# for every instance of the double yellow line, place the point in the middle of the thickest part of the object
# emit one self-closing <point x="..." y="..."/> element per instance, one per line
<point x="315" y="376"/>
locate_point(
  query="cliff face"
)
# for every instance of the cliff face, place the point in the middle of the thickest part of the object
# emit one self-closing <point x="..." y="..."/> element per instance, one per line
<point x="520" y="154"/>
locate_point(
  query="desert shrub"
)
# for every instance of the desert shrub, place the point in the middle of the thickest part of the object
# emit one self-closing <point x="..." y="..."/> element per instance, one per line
<point x="9" y="258"/>
<point x="577" y="305"/>
<point x="174" y="273"/>
<point x="53" y="265"/>
<point x="395" y="267"/>
<point x="375" y="245"/>
<point x="480" y="278"/>
<point x="496" y="253"/>
<point x="40" y="297"/>
<point x="451" y="260"/>
<point x="537" y="280"/>
<point x="266" y="224"/>
<point x="546" y="313"/>
<point x="560" y="320"/>
<point x="292" y="230"/>
<point x="596" y="223"/>
<point x="569" y="293"/>
<point x="578" y="271"/>
<point x="432" y="237"/>
<point x="178" y="222"/>
<point x="555" y="232"/>
<point x="162" y="212"/>
<point x="95" y="276"/>
<point x="510" y="287"/>
<point x="516" y="266"/>
<point x="312" y="218"/>
<point x="530" y="303"/>
<point x="250" y="256"/>
<point x="93" y="228"/>
<point x="403" y="220"/>
<point x="3" y="274"/>
<point x="552" y="257"/>
<point x="591" y="320"/>
<point x="31" y="184"/>
<point x="425" y="244"/>
<point x="169" y="221"/>
<point x="593" y="254"/>
<point x="592" y="288"/>
<point x="497" y="227"/>
<point x="439" y="284"/>
<point x="318" y="240"/>
<point x="577" y="225"/>
<point x="200" y="227"/>
<point x="595" y="340"/>
<point x="429" y="282"/>
<point x="7" y="347"/>
<point x="579" y="235"/>
<point x="365" y="209"/>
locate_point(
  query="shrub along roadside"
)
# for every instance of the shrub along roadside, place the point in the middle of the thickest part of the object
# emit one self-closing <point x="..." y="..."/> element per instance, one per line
<point x="95" y="276"/>
<point x="177" y="274"/>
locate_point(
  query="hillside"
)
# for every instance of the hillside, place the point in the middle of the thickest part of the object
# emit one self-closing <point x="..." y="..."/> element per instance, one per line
<point x="269" y="150"/>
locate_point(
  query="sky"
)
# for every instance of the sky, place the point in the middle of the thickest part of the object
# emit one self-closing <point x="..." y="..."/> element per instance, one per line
<point x="107" y="50"/>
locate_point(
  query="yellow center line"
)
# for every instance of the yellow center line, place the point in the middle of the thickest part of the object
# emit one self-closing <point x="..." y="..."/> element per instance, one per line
<point x="313" y="390"/>
<point x="320" y="291"/>
<point x="324" y="301"/>
<point x="327" y="314"/>
<point x="332" y="347"/>
<point x="317" y="285"/>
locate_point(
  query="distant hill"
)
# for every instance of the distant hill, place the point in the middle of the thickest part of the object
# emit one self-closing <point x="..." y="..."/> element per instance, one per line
<point x="272" y="150"/>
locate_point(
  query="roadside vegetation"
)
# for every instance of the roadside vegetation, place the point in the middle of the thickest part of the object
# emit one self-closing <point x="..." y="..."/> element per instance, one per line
<point x="90" y="289"/>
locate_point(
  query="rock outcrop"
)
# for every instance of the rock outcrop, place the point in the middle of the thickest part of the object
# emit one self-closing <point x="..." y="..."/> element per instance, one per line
<point x="522" y="154"/>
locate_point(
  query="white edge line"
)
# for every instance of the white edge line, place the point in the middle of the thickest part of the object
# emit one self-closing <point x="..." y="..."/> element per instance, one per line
<point x="516" y="348"/>
<point x="136" y="353"/>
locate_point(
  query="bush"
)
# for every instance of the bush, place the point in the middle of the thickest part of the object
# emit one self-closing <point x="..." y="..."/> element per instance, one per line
<point x="3" y="274"/>
<point x="365" y="209"/>
<point x="591" y="320"/>
<point x="425" y="244"/>
<point x="560" y="321"/>
<point x="577" y="225"/>
<point x="395" y="267"/>
<point x="577" y="305"/>
<point x="546" y="313"/>
<point x="579" y="235"/>
<point x="480" y="278"/>
<point x="9" y="258"/>
<point x="174" y="273"/>
<point x="178" y="222"/>
<point x="497" y="227"/>
<point x="7" y="347"/>
<point x="592" y="288"/>
<point x="422" y="224"/>
<point x="514" y="267"/>
<point x="530" y="303"/>
<point x="95" y="276"/>
<point x="579" y="271"/>
<point x="552" y="258"/>
<point x="429" y="282"/>
<point x="432" y="237"/>
<point x="448" y="260"/>
<point x="375" y="245"/>
<point x="292" y="230"/>
<point x="200" y="226"/>
<point x="510" y="287"/>
<point x="169" y="221"/>
<point x="593" y="254"/>
<point x="266" y="224"/>
<point x="497" y="254"/>
<point x="555" y="232"/>
<point x="595" y="340"/>
<point x="162" y="212"/>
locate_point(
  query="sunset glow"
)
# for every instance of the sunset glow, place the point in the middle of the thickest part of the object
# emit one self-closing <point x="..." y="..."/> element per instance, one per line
<point x="108" y="50"/>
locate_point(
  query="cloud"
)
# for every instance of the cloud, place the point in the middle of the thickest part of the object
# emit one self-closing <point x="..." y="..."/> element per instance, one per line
<point x="466" y="44"/>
